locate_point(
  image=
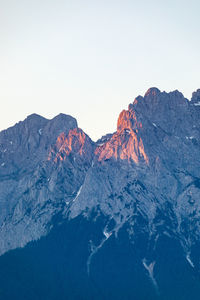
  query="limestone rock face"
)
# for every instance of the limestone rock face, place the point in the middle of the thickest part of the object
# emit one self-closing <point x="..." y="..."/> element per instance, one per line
<point x="42" y="165"/>
<point x="142" y="182"/>
<point x="151" y="162"/>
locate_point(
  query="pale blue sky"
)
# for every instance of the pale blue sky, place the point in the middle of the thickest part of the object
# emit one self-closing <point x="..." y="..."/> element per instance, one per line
<point x="90" y="59"/>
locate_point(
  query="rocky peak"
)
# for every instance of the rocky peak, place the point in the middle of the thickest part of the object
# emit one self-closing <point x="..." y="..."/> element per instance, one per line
<point x="126" y="143"/>
<point x="63" y="119"/>
<point x="156" y="116"/>
<point x="164" y="110"/>
<point x="35" y="118"/>
<point x="74" y="142"/>
<point x="127" y="120"/>
<point x="152" y="92"/>
<point x="25" y="145"/>
<point x="57" y="125"/>
<point x="155" y="100"/>
<point x="195" y="100"/>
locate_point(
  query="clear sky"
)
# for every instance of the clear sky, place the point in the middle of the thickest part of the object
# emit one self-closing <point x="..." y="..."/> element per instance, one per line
<point x="90" y="59"/>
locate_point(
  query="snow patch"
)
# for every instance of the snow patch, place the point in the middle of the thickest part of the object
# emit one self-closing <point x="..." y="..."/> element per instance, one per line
<point x="189" y="260"/>
<point x="107" y="234"/>
<point x="154" y="125"/>
<point x="94" y="249"/>
<point x="127" y="130"/>
<point x="3" y="164"/>
<point x="197" y="104"/>
<point x="79" y="191"/>
<point x="149" y="267"/>
<point x="40" y="131"/>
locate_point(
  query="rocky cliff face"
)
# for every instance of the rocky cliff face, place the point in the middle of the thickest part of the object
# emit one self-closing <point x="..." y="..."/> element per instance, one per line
<point x="149" y="167"/>
<point x="42" y="166"/>
<point x="142" y="182"/>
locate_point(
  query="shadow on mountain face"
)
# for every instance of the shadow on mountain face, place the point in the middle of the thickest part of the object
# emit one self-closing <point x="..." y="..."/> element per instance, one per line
<point x="55" y="267"/>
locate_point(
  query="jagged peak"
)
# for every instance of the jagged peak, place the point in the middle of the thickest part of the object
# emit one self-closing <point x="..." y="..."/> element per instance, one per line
<point x="75" y="141"/>
<point x="58" y="118"/>
<point x="61" y="123"/>
<point x="196" y="96"/>
<point x="64" y="118"/>
<point x="35" y="120"/>
<point x="32" y="122"/>
<point x="136" y="100"/>
<point x="155" y="100"/>
<point x="153" y="91"/>
<point x="127" y="120"/>
<point x="176" y="93"/>
<point x="35" y="116"/>
<point x="150" y="93"/>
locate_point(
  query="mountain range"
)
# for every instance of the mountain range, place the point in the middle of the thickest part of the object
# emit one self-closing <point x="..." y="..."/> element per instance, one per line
<point x="114" y="219"/>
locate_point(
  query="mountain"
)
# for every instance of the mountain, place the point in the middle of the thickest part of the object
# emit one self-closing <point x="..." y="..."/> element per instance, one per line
<point x="115" y="219"/>
<point x="43" y="164"/>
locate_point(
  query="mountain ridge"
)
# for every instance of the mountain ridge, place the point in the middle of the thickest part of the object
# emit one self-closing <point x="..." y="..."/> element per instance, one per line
<point x="139" y="185"/>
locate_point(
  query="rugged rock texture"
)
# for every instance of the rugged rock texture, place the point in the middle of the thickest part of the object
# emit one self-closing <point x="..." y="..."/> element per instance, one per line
<point x="127" y="204"/>
<point x="42" y="166"/>
<point x="149" y="167"/>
